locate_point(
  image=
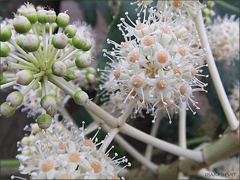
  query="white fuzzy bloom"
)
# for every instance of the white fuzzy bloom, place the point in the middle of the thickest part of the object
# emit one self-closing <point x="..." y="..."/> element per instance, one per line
<point x="157" y="64"/>
<point x="60" y="153"/>
<point x="224" y="38"/>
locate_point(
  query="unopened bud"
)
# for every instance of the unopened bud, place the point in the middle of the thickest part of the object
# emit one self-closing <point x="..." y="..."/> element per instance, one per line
<point x="35" y="128"/>
<point x="44" y="121"/>
<point x="70" y="31"/>
<point x="21" y="24"/>
<point x="30" y="43"/>
<point x="6" y="110"/>
<point x="88" y="45"/>
<point x="30" y="13"/>
<point x="53" y="92"/>
<point x="210" y="4"/>
<point x="62" y="19"/>
<point x="211" y="13"/>
<point x="50" y="16"/>
<point x="48" y="102"/>
<point x="205" y="11"/>
<point x="4" y="49"/>
<point x="79" y="41"/>
<point x="60" y="41"/>
<point x="90" y="77"/>
<point x="59" y="68"/>
<point x="25" y="141"/>
<point x="69" y="75"/>
<point x="41" y="16"/>
<point x="19" y="40"/>
<point x="5" y="33"/>
<point x="81" y="98"/>
<point x="83" y="60"/>
<point x="91" y="70"/>
<point x="14" y="99"/>
<point x="24" y="77"/>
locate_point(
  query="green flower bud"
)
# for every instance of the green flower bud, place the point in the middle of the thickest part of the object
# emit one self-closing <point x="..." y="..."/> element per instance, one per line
<point x="69" y="76"/>
<point x="62" y="19"/>
<point x="91" y="70"/>
<point x="30" y="13"/>
<point x="41" y="16"/>
<point x="53" y="111"/>
<point x="207" y="20"/>
<point x="1" y="76"/>
<point x="36" y="86"/>
<point x="60" y="41"/>
<point x="50" y="16"/>
<point x="21" y="24"/>
<point x="81" y="98"/>
<point x="5" y="33"/>
<point x="90" y="77"/>
<point x="24" y="77"/>
<point x="39" y="93"/>
<point x="5" y="65"/>
<point x="205" y="11"/>
<point x="3" y="81"/>
<point x="88" y="45"/>
<point x="6" y="110"/>
<point x="59" y="100"/>
<point x="32" y="139"/>
<point x="210" y="4"/>
<point x="59" y="68"/>
<point x="4" y="50"/>
<point x="14" y="99"/>
<point x="44" y="121"/>
<point x="79" y="41"/>
<point x="19" y="40"/>
<point x="20" y="9"/>
<point x="30" y="43"/>
<point x="83" y="60"/>
<point x="70" y="31"/>
<point x="47" y="27"/>
<point x="53" y="92"/>
<point x="211" y="13"/>
<point x="48" y="102"/>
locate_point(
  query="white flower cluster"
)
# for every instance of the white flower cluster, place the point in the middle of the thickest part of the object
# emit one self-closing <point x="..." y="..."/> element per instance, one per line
<point x="63" y="153"/>
<point x="224" y="37"/>
<point x="234" y="100"/>
<point x="157" y="64"/>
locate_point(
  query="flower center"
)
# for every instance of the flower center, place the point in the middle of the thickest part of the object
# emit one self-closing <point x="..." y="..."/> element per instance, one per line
<point x="193" y="72"/>
<point x="97" y="167"/>
<point x="88" y="143"/>
<point x="177" y="71"/>
<point x="106" y="157"/>
<point x="125" y="45"/>
<point x="183" y="89"/>
<point x="140" y="26"/>
<point x="134" y="57"/>
<point x="162" y="57"/>
<point x="66" y="176"/>
<point x="182" y="51"/>
<point x="161" y="84"/>
<point x="177" y="3"/>
<point x="73" y="157"/>
<point x="148" y="41"/>
<point x="117" y="74"/>
<point x="137" y="81"/>
<point x="47" y="165"/>
<point x="167" y="30"/>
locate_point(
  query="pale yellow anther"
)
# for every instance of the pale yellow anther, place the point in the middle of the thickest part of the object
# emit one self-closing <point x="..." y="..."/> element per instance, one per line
<point x="162" y="57"/>
<point x="134" y="57"/>
<point x="148" y="41"/>
<point x="73" y="157"/>
<point x="97" y="167"/>
<point x="47" y="165"/>
<point x="161" y="84"/>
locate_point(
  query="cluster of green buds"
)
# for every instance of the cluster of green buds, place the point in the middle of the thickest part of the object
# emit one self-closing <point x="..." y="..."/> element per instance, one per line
<point x="208" y="12"/>
<point x="43" y="50"/>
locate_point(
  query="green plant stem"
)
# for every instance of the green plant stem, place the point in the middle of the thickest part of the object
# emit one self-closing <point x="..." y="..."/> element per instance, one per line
<point x="30" y="86"/>
<point x="9" y="163"/>
<point x="19" y="66"/>
<point x="228" y="111"/>
<point x="228" y="6"/>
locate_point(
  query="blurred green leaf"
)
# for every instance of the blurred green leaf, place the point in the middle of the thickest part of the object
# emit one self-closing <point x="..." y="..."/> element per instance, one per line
<point x="105" y="10"/>
<point x="229" y="74"/>
<point x="226" y="7"/>
<point x="89" y="11"/>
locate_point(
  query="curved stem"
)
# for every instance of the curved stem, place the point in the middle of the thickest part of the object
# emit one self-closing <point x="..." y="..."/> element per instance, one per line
<point x="30" y="86"/>
<point x="153" y="133"/>
<point x="182" y="126"/>
<point x="232" y="120"/>
<point x="228" y="6"/>
<point x="146" y="138"/>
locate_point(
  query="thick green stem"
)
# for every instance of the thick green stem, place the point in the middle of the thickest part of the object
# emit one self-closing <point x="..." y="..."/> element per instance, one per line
<point x="30" y="86"/>
<point x="232" y="120"/>
<point x="19" y="66"/>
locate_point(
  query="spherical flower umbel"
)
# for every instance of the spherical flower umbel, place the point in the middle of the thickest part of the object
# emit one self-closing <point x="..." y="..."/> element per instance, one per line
<point x="60" y="153"/>
<point x="42" y="56"/>
<point x="157" y="64"/>
<point x="224" y="38"/>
